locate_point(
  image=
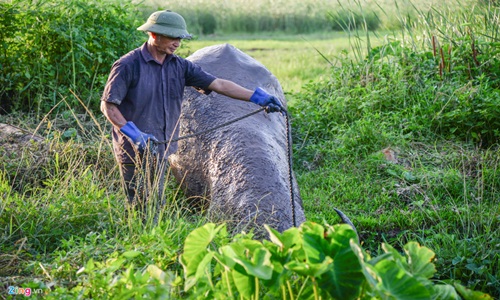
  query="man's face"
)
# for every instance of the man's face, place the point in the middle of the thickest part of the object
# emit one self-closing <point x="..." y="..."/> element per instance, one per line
<point x="166" y="45"/>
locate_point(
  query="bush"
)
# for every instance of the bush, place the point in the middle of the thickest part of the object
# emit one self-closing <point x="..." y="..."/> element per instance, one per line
<point x="410" y="89"/>
<point x="56" y="49"/>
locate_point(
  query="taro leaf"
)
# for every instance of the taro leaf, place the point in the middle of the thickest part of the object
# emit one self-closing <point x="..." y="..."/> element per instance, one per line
<point x="344" y="279"/>
<point x="444" y="291"/>
<point x="200" y="270"/>
<point x="375" y="260"/>
<point x="310" y="269"/>
<point x="397" y="283"/>
<point x="249" y="245"/>
<point x="396" y="255"/>
<point x="259" y="265"/>
<point x="227" y="256"/>
<point x="291" y="239"/>
<point x="275" y="236"/>
<point x="195" y="246"/>
<point x="312" y="228"/>
<point x="286" y="240"/>
<point x="195" y="251"/>
<point x="392" y="254"/>
<point x="314" y="244"/>
<point x="313" y="248"/>
<point x="245" y="271"/>
<point x="339" y="237"/>
<point x="470" y="294"/>
<point x="244" y="283"/>
<point x="419" y="260"/>
<point x="387" y="275"/>
<point x="368" y="270"/>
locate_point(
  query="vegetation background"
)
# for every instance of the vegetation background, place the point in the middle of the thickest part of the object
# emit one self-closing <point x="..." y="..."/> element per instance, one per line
<point x="396" y="118"/>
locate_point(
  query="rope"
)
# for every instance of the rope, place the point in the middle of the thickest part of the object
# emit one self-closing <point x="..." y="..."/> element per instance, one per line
<point x="288" y="140"/>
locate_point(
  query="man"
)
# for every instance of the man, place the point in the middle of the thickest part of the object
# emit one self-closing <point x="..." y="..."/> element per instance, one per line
<point x="142" y="100"/>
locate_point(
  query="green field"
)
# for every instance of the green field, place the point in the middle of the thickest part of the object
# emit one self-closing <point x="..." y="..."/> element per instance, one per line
<point x="294" y="59"/>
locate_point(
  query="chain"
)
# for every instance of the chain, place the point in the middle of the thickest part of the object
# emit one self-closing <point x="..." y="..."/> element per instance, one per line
<point x="290" y="164"/>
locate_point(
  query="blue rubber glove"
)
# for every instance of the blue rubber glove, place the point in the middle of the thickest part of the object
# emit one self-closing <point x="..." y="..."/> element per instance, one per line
<point x="139" y="138"/>
<point x="262" y="98"/>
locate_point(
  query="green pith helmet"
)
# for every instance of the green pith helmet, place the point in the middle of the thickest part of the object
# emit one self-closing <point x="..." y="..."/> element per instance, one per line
<point x="167" y="23"/>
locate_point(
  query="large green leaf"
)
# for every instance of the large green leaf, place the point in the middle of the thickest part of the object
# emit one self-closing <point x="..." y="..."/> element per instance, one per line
<point x="287" y="240"/>
<point x="368" y="270"/>
<point x="468" y="294"/>
<point x="259" y="265"/>
<point x="444" y="292"/>
<point x="202" y="267"/>
<point x="397" y="283"/>
<point x="344" y="279"/>
<point x="314" y="248"/>
<point x="195" y="246"/>
<point x="227" y="256"/>
<point x="339" y="236"/>
<point x="417" y="262"/>
<point x="245" y="284"/>
<point x="310" y="269"/>
<point x="291" y="239"/>
<point x="275" y="236"/>
<point x="313" y="228"/>
<point x="420" y="260"/>
<point x="400" y="259"/>
<point x="194" y="257"/>
<point x="314" y="244"/>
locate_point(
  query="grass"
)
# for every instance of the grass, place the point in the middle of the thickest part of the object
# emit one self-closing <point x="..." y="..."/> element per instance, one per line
<point x="74" y="213"/>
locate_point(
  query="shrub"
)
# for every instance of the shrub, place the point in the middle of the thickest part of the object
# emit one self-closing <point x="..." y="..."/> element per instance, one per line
<point x="52" y="49"/>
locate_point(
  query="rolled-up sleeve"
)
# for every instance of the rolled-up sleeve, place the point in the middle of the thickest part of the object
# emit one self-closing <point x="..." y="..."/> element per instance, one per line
<point x="196" y="77"/>
<point x="118" y="83"/>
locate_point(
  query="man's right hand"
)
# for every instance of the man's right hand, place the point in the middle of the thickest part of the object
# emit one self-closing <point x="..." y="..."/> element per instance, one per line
<point x="139" y="138"/>
<point x="271" y="103"/>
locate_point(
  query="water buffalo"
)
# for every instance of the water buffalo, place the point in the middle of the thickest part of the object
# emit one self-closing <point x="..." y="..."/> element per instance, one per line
<point x="241" y="169"/>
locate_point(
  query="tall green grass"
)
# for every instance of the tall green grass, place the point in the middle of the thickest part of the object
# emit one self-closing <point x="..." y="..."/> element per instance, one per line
<point x="63" y="208"/>
<point x="204" y="17"/>
<point x="428" y="97"/>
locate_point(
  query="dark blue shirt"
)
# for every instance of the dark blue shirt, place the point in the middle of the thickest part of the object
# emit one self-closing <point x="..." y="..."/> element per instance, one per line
<point x="150" y="95"/>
